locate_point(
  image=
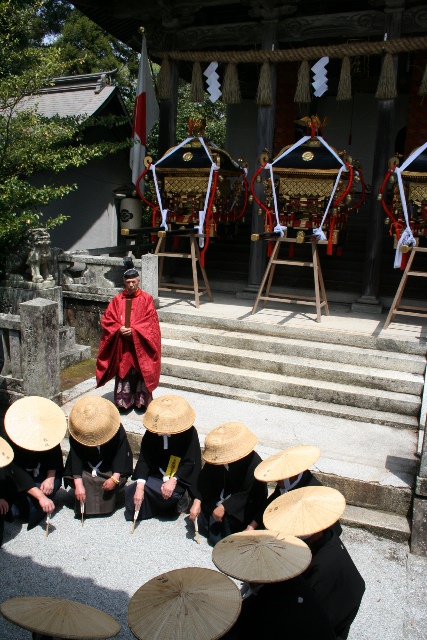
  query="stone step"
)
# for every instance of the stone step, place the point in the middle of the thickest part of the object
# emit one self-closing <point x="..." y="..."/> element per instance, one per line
<point x="356" y="414"/>
<point x="294" y="366"/>
<point x="315" y="390"/>
<point x="78" y="353"/>
<point x="335" y="353"/>
<point x="315" y="333"/>
<point x="387" y="525"/>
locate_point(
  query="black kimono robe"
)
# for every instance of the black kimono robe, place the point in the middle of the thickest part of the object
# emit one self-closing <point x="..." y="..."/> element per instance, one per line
<point x="13" y="481"/>
<point x="241" y="494"/>
<point x="36" y="464"/>
<point x="96" y="464"/>
<point x="336" y="582"/>
<point x="282" y="610"/>
<point x="181" y="459"/>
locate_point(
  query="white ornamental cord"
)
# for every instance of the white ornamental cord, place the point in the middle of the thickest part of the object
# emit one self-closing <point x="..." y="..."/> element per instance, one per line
<point x="202" y="214"/>
<point x="407" y="237"/>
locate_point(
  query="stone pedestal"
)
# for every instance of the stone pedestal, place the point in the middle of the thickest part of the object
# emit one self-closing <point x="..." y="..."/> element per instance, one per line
<point x="40" y="348"/>
<point x="12" y="297"/>
<point x="368" y="304"/>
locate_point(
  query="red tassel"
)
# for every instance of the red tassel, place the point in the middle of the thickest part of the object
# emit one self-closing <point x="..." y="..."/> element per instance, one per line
<point x="202" y="260"/>
<point x="291" y="250"/>
<point x="269" y="249"/>
<point x="176" y="243"/>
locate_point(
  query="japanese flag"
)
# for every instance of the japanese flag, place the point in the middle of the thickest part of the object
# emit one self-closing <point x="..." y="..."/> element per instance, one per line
<point x="145" y="114"/>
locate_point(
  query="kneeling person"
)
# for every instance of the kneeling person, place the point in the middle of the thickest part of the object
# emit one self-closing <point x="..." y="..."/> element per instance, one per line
<point x="169" y="461"/>
<point x="100" y="458"/>
<point x="230" y="495"/>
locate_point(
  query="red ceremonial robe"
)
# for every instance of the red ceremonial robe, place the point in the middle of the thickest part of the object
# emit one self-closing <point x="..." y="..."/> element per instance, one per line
<point x="117" y="355"/>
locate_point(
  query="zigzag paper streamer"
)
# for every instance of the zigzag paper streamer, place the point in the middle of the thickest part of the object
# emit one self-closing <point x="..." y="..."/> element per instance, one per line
<point x="212" y="81"/>
<point x="320" y="79"/>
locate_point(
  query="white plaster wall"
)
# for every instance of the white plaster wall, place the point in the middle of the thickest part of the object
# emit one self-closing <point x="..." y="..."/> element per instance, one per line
<point x="91" y="209"/>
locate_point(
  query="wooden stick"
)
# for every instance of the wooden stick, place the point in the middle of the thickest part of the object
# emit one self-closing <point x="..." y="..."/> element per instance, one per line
<point x="196" y="531"/>
<point x="82" y="511"/>
<point x="128" y="309"/>
<point x="47" y="524"/>
<point x="135" y="517"/>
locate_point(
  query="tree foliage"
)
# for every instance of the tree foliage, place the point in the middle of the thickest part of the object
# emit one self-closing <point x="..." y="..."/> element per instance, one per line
<point x="31" y="144"/>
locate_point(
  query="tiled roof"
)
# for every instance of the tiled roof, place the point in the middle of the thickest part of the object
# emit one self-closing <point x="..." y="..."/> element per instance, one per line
<point x="73" y="96"/>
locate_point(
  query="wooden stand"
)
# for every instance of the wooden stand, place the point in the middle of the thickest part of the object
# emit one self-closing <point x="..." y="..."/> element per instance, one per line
<point x="407" y="310"/>
<point x="194" y="256"/>
<point x="319" y="301"/>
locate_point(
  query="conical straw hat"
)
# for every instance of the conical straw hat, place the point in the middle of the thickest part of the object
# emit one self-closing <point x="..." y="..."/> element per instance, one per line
<point x="168" y="414"/>
<point x="93" y="421"/>
<point x="303" y="512"/>
<point x="229" y="442"/>
<point x="6" y="453"/>
<point x="35" y="423"/>
<point x="261" y="556"/>
<point x="62" y="618"/>
<point x="287" y="463"/>
<point x="184" y="604"/>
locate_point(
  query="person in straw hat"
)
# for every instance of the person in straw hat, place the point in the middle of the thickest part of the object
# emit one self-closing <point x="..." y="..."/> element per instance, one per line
<point x="189" y="604"/>
<point x="130" y="351"/>
<point x="169" y="460"/>
<point x="230" y="494"/>
<point x="290" y="469"/>
<point x="100" y="458"/>
<point x="13" y="482"/>
<point x="57" y="619"/>
<point x="277" y="602"/>
<point x="309" y="512"/>
<point x="34" y="428"/>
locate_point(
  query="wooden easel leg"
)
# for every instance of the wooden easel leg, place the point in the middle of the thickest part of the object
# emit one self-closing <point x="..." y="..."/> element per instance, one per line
<point x="202" y="269"/>
<point x="157" y="250"/>
<point x="267" y="271"/>
<point x="315" y="259"/>
<point x="194" y="270"/>
<point x="322" y="284"/>
<point x="272" y="270"/>
<point x="400" y="289"/>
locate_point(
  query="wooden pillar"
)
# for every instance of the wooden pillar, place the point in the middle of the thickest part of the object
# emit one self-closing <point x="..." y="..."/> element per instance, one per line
<point x="369" y="301"/>
<point x="265" y="139"/>
<point x="168" y="113"/>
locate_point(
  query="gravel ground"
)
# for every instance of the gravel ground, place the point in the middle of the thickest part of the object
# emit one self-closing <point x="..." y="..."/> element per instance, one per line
<point x="102" y="565"/>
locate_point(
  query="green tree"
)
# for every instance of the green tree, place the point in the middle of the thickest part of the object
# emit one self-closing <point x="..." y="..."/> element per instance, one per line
<point x="29" y="142"/>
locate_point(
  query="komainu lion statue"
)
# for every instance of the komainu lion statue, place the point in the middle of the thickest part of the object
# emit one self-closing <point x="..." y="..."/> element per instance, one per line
<point x="33" y="256"/>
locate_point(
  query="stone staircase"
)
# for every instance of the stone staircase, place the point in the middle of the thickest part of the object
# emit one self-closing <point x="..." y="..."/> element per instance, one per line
<point x="360" y="396"/>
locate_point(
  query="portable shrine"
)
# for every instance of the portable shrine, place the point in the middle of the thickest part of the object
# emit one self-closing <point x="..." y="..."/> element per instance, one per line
<point x="406" y="215"/>
<point x="197" y="187"/>
<point x="309" y="192"/>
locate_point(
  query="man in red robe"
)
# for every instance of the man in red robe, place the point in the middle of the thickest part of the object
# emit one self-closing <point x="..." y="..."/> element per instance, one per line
<point x="132" y="354"/>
